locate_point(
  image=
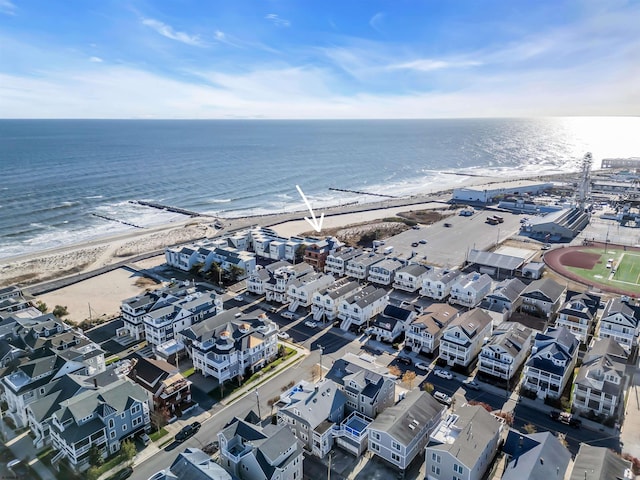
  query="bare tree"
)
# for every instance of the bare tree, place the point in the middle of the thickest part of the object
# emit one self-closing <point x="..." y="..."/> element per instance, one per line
<point x="408" y="378"/>
<point x="316" y="372"/>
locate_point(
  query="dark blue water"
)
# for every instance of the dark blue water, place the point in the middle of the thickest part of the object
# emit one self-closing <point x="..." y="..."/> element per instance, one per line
<point x="56" y="173"/>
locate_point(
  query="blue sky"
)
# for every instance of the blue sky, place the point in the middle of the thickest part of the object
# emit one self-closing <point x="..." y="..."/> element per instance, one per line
<point x="318" y="59"/>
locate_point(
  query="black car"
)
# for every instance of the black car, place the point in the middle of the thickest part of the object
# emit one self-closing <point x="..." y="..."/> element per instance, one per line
<point x="405" y="360"/>
<point x="187" y="432"/>
<point x="122" y="474"/>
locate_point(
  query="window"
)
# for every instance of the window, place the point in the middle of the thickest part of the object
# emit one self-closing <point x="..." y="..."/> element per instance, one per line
<point x="395" y="445"/>
<point x="112" y="424"/>
<point x="112" y="434"/>
<point x="375" y="446"/>
<point x="435" y="469"/>
<point x="395" y="457"/>
<point x="435" y="457"/>
<point x="124" y="427"/>
<point x="457" y="468"/>
<point x="376" y="435"/>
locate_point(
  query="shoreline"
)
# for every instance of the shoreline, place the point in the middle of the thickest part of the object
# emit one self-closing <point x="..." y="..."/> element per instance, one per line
<point x="33" y="268"/>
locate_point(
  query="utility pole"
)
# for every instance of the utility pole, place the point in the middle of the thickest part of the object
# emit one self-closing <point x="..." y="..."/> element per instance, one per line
<point x="321" y="352"/>
<point x="329" y="467"/>
<point x="258" y="402"/>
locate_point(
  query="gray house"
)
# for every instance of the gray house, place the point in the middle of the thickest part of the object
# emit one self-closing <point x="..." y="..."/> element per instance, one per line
<point x="600" y="463"/>
<point x="537" y="456"/>
<point x="541" y="298"/>
<point x="399" y="433"/>
<point x="250" y="452"/>
<point x="193" y="464"/>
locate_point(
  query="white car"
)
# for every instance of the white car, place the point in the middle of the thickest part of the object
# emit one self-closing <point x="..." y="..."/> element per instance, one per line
<point x="283" y="335"/>
<point x="443" y="374"/>
<point x="442" y="398"/>
<point x="238" y="298"/>
<point x="289" y="315"/>
<point x="422" y="366"/>
<point x="472" y="385"/>
<point x="311" y="324"/>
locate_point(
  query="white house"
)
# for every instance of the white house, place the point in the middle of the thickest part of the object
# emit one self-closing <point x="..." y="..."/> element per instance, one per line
<point x="463" y="445"/>
<point x="391" y="323"/>
<point x="336" y="262"/>
<point x="437" y="283"/>
<point x="402" y="431"/>
<point x="462" y="340"/>
<point x="469" y="290"/>
<point x="621" y="321"/>
<point x="424" y="332"/>
<point x="410" y="278"/>
<point x="384" y="271"/>
<point x="578" y="314"/>
<point x="600" y="383"/>
<point x="506" y="351"/>
<point x="358" y="267"/>
<point x="301" y="290"/>
<point x="361" y="307"/>
<point x="550" y="366"/>
<point x="258" y="279"/>
<point x="326" y="302"/>
<point x="277" y="286"/>
<point x="504" y="297"/>
<point x="228" y="346"/>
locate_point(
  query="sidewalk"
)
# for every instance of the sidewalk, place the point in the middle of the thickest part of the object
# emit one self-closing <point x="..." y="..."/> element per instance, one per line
<point x="22" y="448"/>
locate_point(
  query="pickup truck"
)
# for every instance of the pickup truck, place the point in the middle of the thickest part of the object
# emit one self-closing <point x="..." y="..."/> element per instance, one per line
<point x="566" y="418"/>
<point x="187" y="432"/>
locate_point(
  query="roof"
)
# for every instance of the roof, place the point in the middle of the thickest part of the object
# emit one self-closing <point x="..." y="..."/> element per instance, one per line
<point x="599" y="463"/>
<point x="547" y="287"/>
<point x="397" y="312"/>
<point x="509" y="289"/>
<point x="471" y="322"/>
<point x="495" y="260"/>
<point x="479" y="281"/>
<point x="511" y="337"/>
<point x="414" y="269"/>
<point x="405" y="420"/>
<point x="315" y="403"/>
<point x="537" y="456"/>
<point x="194" y="464"/>
<point x="631" y="313"/>
<point x="436" y="317"/>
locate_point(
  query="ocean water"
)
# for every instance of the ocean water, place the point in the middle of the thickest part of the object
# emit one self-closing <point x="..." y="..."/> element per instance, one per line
<point x="57" y="173"/>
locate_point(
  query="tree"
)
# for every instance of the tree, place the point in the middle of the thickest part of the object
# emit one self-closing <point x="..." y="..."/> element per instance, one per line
<point x="486" y="406"/>
<point x="215" y="273"/>
<point x="408" y="378"/>
<point x="40" y="305"/>
<point x="428" y="387"/>
<point x="506" y="416"/>
<point x="159" y="417"/>
<point x="300" y="253"/>
<point x="395" y="371"/>
<point x="530" y="428"/>
<point x="128" y="451"/>
<point x="562" y="438"/>
<point x="60" y="311"/>
<point x="272" y="402"/>
<point x="93" y="473"/>
<point x="95" y="456"/>
<point x="316" y="372"/>
<point x="235" y="272"/>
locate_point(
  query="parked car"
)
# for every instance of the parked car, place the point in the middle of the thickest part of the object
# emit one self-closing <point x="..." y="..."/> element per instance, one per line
<point x="19" y="469"/>
<point x="423" y="241"/>
<point x="448" y="225"/>
<point x="566" y="418"/>
<point x="273" y="309"/>
<point x="283" y="336"/>
<point x="422" y="366"/>
<point x="211" y="447"/>
<point x="187" y="431"/>
<point x="238" y="298"/>
<point x="289" y="315"/>
<point x="405" y="360"/>
<point x="443" y="374"/>
<point x="472" y="385"/>
<point x="145" y="439"/>
<point x="442" y="398"/>
<point x="311" y="324"/>
<point x="416" y="227"/>
<point x="122" y="474"/>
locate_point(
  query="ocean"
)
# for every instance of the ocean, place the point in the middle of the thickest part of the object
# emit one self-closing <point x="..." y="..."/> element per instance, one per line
<point x="56" y="174"/>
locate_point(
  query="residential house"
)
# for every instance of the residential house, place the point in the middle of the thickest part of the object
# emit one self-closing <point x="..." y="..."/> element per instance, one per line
<point x="369" y="388"/>
<point x="168" y="389"/>
<point x="252" y="452"/>
<point x="388" y="326"/>
<point x="463" y="338"/>
<point x="535" y="456"/>
<point x="316" y="253"/>
<point x="326" y="302"/>
<point x="600" y="383"/>
<point x="463" y="445"/>
<point x="301" y="290"/>
<point x="12" y="300"/>
<point x="104" y="417"/>
<point x="469" y="290"/>
<point x="541" y="298"/>
<point x="257" y="280"/>
<point x="504" y="297"/>
<point x="359" y="266"/>
<point x="336" y="262"/>
<point x="311" y="412"/>
<point x="277" y="286"/>
<point x="437" y="283"/>
<point x="362" y="306"/>
<point x="410" y="278"/>
<point x="194" y="464"/>
<point x="237" y="264"/>
<point x="600" y="463"/>
<point x="401" y="432"/>
<point x="226" y="346"/>
<point x="163" y="323"/>
<point x="550" y="366"/>
<point x="182" y="257"/>
<point x="383" y="272"/>
<point x="506" y="351"/>
<point x="261" y="240"/>
<point x="424" y="332"/>
<point x="621" y="321"/>
<point x="578" y="314"/>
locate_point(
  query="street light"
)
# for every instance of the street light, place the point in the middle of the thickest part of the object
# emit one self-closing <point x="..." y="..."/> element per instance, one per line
<point x="258" y="402"/>
<point x="321" y="352"/>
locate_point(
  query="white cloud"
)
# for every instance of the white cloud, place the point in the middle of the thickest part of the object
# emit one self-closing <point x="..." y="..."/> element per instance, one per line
<point x="7" y="7"/>
<point x="168" y="31"/>
<point x="277" y="21"/>
<point x="430" y="64"/>
<point x="95" y="59"/>
<point x="376" y="21"/>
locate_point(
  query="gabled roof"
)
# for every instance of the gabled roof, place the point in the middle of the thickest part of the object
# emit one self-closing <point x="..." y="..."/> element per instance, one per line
<point x="509" y="289"/>
<point x="405" y="420"/>
<point x="599" y="463"/>
<point x="537" y="456"/>
<point x="194" y="464"/>
<point x="545" y="287"/>
<point x="398" y="313"/>
<point x="471" y="322"/>
<point x="315" y="403"/>
<point x="436" y="317"/>
<point x="510" y="336"/>
<point x="414" y="269"/>
<point x="496" y="260"/>
<point x="631" y="313"/>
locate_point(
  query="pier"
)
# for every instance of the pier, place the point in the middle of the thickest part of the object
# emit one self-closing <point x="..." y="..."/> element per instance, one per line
<point x="357" y="192"/>
<point x="111" y="219"/>
<point x="168" y="208"/>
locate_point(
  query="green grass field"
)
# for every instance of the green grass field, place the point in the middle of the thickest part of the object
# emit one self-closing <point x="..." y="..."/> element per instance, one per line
<point x="626" y="265"/>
